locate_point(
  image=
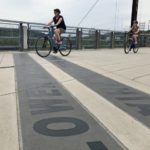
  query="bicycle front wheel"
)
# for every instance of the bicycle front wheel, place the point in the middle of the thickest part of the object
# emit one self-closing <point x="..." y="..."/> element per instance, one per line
<point x="43" y="46"/>
<point x="66" y="47"/>
<point x="128" y="46"/>
<point x="136" y="48"/>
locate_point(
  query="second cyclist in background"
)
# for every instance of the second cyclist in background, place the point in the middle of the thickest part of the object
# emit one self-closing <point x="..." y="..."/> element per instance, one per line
<point x="135" y="31"/>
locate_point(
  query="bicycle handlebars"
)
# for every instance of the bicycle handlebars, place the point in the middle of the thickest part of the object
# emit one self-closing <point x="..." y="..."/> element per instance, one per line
<point x="48" y="27"/>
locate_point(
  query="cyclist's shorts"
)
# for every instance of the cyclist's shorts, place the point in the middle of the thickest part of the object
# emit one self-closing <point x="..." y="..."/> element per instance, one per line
<point x="62" y="30"/>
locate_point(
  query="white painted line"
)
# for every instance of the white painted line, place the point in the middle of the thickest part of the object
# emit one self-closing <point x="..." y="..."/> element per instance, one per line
<point x="132" y="133"/>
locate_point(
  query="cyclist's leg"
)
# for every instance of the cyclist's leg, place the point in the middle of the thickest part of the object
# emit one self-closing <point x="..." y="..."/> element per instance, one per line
<point x="135" y="36"/>
<point x="57" y="33"/>
<point x="61" y="31"/>
<point x="56" y="38"/>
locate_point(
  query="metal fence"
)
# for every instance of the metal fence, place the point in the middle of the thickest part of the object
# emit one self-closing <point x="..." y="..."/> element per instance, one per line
<point x="9" y="35"/>
<point x="23" y="35"/>
<point x="36" y="30"/>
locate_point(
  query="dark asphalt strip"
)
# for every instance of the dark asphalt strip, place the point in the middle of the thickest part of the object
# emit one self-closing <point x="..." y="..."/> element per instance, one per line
<point x="132" y="101"/>
<point x="51" y="119"/>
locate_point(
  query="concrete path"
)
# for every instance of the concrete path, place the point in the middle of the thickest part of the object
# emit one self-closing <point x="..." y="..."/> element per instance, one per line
<point x="111" y="88"/>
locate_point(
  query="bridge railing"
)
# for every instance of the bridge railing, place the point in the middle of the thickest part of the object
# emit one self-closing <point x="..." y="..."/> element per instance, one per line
<point x="23" y="35"/>
<point x="9" y="35"/>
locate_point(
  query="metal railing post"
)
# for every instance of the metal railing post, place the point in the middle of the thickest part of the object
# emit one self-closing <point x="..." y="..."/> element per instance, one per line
<point x="25" y="37"/>
<point x="21" y="36"/>
<point x="97" y="37"/>
<point x="112" y="39"/>
<point x="145" y="40"/>
<point x="28" y="35"/>
<point x="125" y="37"/>
<point x="79" y="38"/>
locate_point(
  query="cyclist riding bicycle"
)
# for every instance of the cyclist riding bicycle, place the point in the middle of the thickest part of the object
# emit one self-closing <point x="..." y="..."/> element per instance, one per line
<point x="59" y="22"/>
<point x="134" y="31"/>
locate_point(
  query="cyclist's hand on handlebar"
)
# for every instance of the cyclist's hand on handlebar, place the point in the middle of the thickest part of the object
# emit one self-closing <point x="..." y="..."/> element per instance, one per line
<point x="53" y="26"/>
<point x="44" y="27"/>
<point x="47" y="27"/>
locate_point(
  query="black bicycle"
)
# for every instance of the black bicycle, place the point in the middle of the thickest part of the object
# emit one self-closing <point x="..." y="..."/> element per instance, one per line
<point x="46" y="43"/>
<point x="131" y="45"/>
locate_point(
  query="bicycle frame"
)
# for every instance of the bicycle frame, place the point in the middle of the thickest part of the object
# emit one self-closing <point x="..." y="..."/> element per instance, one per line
<point x="130" y="37"/>
<point x="50" y="36"/>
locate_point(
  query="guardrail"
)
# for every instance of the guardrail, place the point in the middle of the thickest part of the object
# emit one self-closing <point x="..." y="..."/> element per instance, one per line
<point x="22" y="35"/>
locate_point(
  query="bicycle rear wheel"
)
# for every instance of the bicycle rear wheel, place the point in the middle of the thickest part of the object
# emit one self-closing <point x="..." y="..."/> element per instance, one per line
<point x="66" y="47"/>
<point x="128" y="46"/>
<point x="43" y="46"/>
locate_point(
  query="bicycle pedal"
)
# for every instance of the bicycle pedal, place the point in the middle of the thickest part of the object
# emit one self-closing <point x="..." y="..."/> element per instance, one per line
<point x="55" y="51"/>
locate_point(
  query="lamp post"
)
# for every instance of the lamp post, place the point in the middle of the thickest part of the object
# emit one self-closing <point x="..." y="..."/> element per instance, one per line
<point x="134" y="11"/>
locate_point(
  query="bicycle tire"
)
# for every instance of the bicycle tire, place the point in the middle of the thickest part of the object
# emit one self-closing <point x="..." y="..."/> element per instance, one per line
<point x="127" y="46"/>
<point x="135" y="50"/>
<point x="43" y="46"/>
<point x="66" y="47"/>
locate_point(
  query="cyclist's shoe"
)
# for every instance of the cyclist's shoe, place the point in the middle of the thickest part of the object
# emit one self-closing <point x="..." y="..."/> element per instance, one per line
<point x="134" y="45"/>
<point x="55" y="50"/>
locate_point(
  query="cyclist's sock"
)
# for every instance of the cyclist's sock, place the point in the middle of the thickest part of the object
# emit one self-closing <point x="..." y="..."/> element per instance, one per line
<point x="59" y="42"/>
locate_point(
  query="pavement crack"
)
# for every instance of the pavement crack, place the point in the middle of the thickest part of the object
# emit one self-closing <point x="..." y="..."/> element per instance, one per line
<point x="141" y="76"/>
<point x="67" y="80"/>
<point x="6" y="67"/>
<point x="8" y="94"/>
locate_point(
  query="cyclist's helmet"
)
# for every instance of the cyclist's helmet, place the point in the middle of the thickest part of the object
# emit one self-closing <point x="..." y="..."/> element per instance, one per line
<point x="57" y="10"/>
<point x="135" y="21"/>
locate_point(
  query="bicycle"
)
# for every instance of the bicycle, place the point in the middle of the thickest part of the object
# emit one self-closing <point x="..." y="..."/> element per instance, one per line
<point x="130" y="44"/>
<point x="46" y="43"/>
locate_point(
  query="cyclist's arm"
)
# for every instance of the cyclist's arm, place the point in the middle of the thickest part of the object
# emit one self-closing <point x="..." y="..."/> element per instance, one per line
<point x="59" y="21"/>
<point x="137" y="31"/>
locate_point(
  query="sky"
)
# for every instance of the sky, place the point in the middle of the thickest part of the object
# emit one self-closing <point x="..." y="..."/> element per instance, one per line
<point x="107" y="14"/>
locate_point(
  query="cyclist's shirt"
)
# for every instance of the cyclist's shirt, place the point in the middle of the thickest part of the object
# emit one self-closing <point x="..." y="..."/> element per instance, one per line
<point x="134" y="29"/>
<point x="62" y="24"/>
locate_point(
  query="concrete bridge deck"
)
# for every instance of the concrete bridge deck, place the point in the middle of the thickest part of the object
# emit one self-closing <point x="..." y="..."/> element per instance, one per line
<point x="90" y="100"/>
